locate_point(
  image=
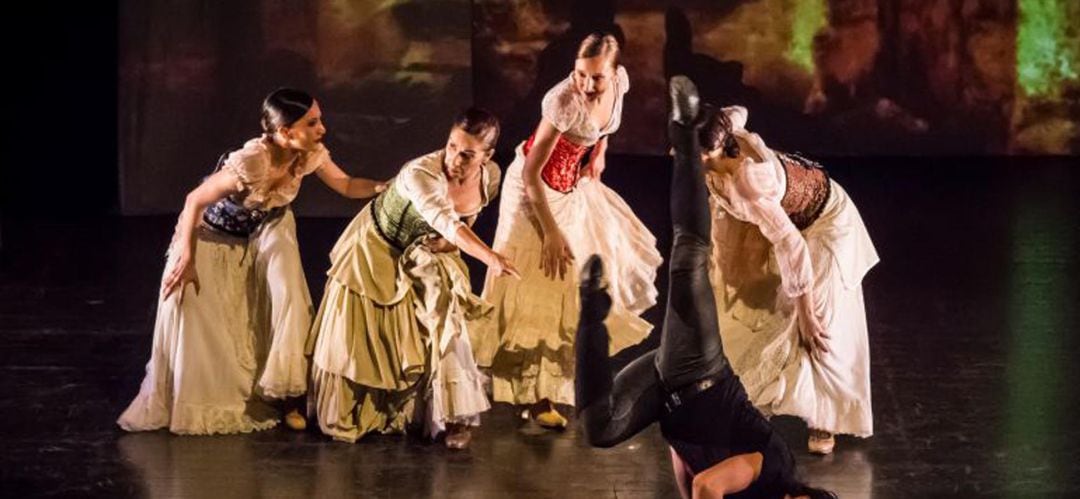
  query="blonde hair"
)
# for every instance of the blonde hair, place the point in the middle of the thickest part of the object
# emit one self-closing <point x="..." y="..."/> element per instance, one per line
<point x="600" y="44"/>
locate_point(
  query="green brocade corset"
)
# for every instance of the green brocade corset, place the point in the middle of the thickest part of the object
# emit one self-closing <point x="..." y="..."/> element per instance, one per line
<point x="397" y="220"/>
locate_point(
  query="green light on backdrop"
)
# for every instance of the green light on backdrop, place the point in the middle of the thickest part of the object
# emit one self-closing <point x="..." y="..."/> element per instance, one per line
<point x="808" y="17"/>
<point x="1045" y="55"/>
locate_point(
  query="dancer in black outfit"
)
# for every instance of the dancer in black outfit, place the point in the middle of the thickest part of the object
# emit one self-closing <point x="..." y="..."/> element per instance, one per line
<point x="721" y="445"/>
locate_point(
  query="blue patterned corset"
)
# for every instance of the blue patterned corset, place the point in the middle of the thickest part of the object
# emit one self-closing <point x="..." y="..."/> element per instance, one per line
<point x="233" y="218"/>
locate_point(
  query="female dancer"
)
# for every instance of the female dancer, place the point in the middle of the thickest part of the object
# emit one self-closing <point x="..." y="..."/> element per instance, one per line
<point x="768" y="203"/>
<point x="239" y="329"/>
<point x="720" y="444"/>
<point x="390" y="343"/>
<point x="552" y="209"/>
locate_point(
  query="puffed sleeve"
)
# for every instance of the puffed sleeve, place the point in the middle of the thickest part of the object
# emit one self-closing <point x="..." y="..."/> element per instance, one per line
<point x="428" y="194"/>
<point x="248" y="164"/>
<point x="624" y="79"/>
<point x="562" y="107"/>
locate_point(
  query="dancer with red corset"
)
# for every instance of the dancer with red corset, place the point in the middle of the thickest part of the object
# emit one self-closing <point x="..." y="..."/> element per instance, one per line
<point x="555" y="208"/>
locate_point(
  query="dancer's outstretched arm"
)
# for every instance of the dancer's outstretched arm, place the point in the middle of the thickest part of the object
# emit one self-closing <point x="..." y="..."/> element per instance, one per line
<point x="351" y="187"/>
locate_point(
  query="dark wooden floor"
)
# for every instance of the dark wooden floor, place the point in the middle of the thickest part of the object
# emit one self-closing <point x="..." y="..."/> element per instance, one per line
<point x="973" y="324"/>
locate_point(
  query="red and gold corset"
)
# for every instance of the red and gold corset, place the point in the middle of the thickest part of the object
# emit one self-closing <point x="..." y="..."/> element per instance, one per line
<point x="807" y="189"/>
<point x="563" y="168"/>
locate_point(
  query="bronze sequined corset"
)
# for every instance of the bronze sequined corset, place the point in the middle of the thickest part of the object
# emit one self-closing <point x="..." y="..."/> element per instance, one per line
<point x="807" y="189"/>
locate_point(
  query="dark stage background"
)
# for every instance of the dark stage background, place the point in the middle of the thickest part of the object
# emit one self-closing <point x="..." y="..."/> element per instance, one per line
<point x="389" y="76"/>
<point x="60" y="111"/>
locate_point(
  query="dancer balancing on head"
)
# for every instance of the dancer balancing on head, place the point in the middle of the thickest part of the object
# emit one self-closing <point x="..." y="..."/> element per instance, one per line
<point x="720" y="444"/>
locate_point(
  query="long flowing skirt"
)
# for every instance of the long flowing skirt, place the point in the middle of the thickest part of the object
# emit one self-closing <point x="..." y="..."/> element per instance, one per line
<point x="528" y="342"/>
<point x="390" y="343"/>
<point x="759" y="327"/>
<point x="240" y="336"/>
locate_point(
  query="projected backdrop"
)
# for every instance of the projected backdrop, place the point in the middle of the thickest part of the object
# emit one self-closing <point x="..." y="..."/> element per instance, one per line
<point x="868" y="77"/>
<point x="389" y="75"/>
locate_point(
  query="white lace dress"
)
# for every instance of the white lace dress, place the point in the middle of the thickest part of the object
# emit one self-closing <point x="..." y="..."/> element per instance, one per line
<point x="762" y="263"/>
<point x="243" y="334"/>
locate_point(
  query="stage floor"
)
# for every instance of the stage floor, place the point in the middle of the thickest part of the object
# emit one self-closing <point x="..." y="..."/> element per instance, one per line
<point x="973" y="329"/>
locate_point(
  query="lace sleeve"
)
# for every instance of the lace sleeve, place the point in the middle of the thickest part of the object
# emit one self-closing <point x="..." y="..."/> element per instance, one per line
<point x="759" y="185"/>
<point x="249" y="164"/>
<point x="562" y="106"/>
<point x="792" y="253"/>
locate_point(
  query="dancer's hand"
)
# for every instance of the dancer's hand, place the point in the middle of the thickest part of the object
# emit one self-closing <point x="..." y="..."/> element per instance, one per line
<point x="181" y="274"/>
<point x="556" y="257"/>
<point x="439" y="245"/>
<point x="502" y="266"/>
<point x="812" y="334"/>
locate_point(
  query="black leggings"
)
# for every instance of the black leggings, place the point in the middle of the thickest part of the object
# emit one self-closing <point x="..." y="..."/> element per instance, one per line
<point x="614" y="410"/>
